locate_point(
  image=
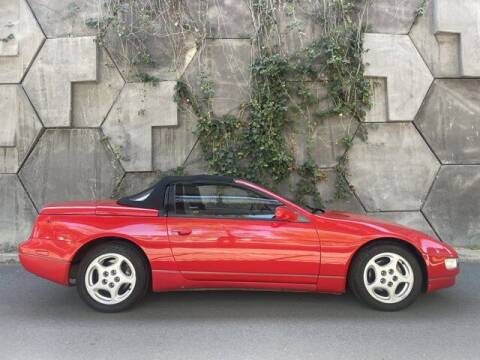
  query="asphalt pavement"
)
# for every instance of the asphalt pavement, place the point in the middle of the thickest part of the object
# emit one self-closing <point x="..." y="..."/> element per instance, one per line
<point x="41" y="320"/>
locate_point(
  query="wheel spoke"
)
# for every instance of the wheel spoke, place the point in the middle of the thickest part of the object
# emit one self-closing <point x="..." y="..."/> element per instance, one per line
<point x="100" y="265"/>
<point x="377" y="269"/>
<point x="394" y="261"/>
<point x="115" y="291"/>
<point x="408" y="278"/>
<point x="391" y="292"/>
<point x="373" y="285"/>
<point x="117" y="265"/>
<point x="97" y="288"/>
<point x="124" y="279"/>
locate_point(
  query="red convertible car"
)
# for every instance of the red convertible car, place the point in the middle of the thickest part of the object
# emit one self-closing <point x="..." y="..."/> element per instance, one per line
<point x="214" y="232"/>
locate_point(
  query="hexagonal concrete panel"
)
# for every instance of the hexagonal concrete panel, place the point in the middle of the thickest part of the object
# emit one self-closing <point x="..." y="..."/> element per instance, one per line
<point x="393" y="169"/>
<point x="91" y="101"/>
<point x="215" y="17"/>
<point x="139" y="108"/>
<point x="68" y="164"/>
<point x="391" y="16"/>
<point x="326" y="137"/>
<point x="172" y="145"/>
<point x="48" y="83"/>
<point x="20" y="39"/>
<point x="17" y="213"/>
<point x="408" y="78"/>
<point x="452" y="205"/>
<point x="449" y="120"/>
<point x="411" y="219"/>
<point x="439" y="50"/>
<point x="225" y="62"/>
<point x="20" y="127"/>
<point x="461" y="17"/>
<point x="62" y="18"/>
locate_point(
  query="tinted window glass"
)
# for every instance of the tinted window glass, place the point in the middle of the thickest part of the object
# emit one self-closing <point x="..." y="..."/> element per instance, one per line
<point x="222" y="201"/>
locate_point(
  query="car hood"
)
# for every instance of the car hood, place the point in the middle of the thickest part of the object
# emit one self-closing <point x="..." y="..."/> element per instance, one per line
<point x="372" y="227"/>
<point x="94" y="207"/>
<point x="371" y="224"/>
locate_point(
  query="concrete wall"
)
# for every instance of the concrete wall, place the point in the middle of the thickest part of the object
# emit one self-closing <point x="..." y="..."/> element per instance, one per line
<point x="75" y="124"/>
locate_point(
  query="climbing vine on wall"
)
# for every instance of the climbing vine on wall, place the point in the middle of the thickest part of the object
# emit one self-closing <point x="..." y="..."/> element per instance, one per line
<point x="254" y="143"/>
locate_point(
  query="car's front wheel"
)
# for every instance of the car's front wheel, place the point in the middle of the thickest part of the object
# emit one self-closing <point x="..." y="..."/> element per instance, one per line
<point x="386" y="277"/>
<point x="112" y="277"/>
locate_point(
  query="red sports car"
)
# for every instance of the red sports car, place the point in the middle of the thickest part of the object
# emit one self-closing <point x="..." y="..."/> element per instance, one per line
<point x="207" y="232"/>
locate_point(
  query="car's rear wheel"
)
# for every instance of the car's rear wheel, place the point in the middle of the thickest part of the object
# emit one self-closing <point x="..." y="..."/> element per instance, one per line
<point x="112" y="277"/>
<point x="386" y="277"/>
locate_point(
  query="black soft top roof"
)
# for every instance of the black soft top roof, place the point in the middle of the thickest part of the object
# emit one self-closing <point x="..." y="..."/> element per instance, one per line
<point x="153" y="197"/>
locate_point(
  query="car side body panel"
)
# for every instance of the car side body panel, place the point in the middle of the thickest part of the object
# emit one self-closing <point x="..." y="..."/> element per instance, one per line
<point x="245" y="250"/>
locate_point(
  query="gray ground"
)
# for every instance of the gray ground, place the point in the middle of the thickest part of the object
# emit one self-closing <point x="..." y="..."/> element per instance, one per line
<point x="40" y="320"/>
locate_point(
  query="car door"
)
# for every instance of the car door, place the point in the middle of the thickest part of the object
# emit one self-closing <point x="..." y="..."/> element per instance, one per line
<point x="228" y="232"/>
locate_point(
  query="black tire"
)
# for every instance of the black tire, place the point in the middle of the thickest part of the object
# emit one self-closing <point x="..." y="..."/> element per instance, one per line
<point x="142" y="276"/>
<point x="356" y="276"/>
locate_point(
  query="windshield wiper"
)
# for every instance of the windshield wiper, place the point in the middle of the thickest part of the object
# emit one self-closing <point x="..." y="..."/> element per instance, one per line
<point x="314" y="210"/>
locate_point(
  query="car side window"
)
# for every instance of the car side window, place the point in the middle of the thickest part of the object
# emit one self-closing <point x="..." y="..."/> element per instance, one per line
<point x="211" y="200"/>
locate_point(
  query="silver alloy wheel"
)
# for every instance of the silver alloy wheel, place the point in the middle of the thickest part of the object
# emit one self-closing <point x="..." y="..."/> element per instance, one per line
<point x="388" y="278"/>
<point x="110" y="278"/>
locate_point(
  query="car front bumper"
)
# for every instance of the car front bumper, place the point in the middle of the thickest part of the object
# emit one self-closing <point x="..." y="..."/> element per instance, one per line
<point x="441" y="283"/>
<point x="440" y="274"/>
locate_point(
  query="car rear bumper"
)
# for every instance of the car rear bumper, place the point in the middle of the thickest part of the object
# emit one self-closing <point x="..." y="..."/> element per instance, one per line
<point x="39" y="262"/>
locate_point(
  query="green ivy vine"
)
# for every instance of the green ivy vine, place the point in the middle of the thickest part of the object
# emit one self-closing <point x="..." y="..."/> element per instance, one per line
<point x="253" y="145"/>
